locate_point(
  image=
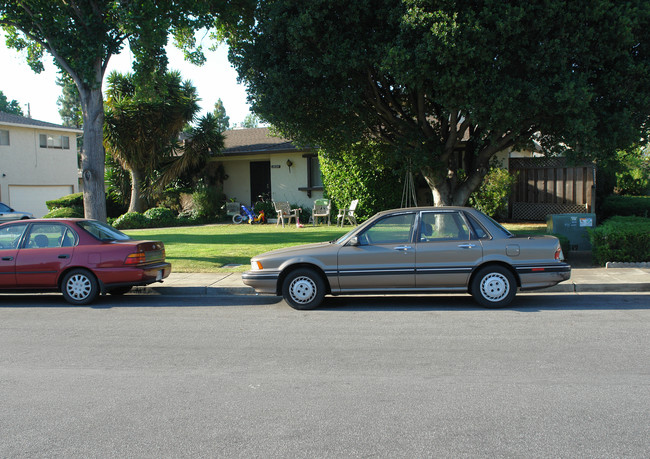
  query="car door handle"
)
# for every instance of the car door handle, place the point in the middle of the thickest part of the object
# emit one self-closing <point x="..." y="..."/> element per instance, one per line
<point x="64" y="256"/>
<point x="403" y="247"/>
<point x="7" y="258"/>
<point x="466" y="246"/>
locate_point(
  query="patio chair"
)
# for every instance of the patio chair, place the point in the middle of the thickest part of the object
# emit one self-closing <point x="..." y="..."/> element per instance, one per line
<point x="284" y="211"/>
<point x="321" y="209"/>
<point x="348" y="213"/>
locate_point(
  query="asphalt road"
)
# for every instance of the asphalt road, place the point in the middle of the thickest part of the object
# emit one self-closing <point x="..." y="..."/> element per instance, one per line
<point x="144" y="376"/>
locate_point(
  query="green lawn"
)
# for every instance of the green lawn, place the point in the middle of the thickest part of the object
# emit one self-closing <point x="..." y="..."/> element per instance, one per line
<point x="208" y="248"/>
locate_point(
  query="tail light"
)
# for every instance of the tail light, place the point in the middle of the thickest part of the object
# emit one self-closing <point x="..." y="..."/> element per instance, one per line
<point x="135" y="258"/>
<point x="558" y="253"/>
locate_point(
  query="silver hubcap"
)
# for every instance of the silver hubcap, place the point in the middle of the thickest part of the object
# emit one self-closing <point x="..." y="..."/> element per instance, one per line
<point x="78" y="287"/>
<point x="495" y="287"/>
<point x="302" y="290"/>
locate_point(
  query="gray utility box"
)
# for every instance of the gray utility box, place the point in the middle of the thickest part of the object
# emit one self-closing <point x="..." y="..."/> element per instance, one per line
<point x="573" y="227"/>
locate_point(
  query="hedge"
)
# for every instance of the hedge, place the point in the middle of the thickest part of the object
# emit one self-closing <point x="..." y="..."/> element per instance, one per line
<point x="70" y="200"/>
<point x="621" y="239"/>
<point x="625" y="206"/>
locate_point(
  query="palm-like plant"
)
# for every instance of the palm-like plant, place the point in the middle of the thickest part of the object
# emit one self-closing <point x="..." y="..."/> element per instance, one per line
<point x="142" y="124"/>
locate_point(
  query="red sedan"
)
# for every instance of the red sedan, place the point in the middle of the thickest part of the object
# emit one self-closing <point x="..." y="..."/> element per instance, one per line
<point x="80" y="258"/>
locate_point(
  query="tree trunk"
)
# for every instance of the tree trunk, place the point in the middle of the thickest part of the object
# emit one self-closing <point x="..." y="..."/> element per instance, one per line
<point x="137" y="203"/>
<point x="92" y="153"/>
<point x="446" y="191"/>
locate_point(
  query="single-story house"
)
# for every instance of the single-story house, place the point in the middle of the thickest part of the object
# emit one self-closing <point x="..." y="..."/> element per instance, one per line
<point x="38" y="162"/>
<point x="256" y="163"/>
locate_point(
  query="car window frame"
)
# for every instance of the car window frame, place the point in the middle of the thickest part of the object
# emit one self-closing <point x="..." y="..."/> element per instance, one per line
<point x="363" y="240"/>
<point x="21" y="238"/>
<point x="28" y="233"/>
<point x="458" y="214"/>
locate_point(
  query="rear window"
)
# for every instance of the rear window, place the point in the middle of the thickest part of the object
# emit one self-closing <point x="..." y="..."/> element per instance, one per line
<point x="102" y="231"/>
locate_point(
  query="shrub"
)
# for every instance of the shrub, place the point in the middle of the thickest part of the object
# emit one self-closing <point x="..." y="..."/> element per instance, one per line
<point x="364" y="172"/>
<point x="131" y="220"/>
<point x="70" y="200"/>
<point x="207" y="202"/>
<point x="621" y="239"/>
<point x="161" y="216"/>
<point x="65" y="212"/>
<point x="267" y="207"/>
<point x="625" y="206"/>
<point x="492" y="196"/>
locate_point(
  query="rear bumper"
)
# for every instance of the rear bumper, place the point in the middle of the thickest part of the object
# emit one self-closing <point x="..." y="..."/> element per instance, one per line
<point x="536" y="277"/>
<point x="137" y="275"/>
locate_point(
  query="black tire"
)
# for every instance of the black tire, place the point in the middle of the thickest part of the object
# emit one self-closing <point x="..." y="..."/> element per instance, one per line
<point x="79" y="287"/>
<point x="237" y="219"/>
<point x="303" y="289"/>
<point x="120" y="290"/>
<point x="494" y="287"/>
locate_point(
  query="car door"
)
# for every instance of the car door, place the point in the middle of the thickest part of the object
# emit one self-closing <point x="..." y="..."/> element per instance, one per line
<point x="10" y="238"/>
<point x="44" y="254"/>
<point x="383" y="259"/>
<point x="446" y="250"/>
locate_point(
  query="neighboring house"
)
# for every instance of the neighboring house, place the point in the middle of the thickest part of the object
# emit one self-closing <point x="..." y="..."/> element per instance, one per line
<point x="256" y="163"/>
<point x="38" y="162"/>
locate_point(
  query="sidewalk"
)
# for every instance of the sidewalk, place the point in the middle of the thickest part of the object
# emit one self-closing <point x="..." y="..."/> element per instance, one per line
<point x="583" y="279"/>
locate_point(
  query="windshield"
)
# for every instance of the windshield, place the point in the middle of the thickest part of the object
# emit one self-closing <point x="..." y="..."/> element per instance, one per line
<point x="102" y="231"/>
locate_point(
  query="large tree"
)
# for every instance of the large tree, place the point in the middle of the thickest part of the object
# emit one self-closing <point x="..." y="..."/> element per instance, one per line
<point x="142" y="123"/>
<point x="10" y="106"/>
<point x="82" y="35"/>
<point x="451" y="83"/>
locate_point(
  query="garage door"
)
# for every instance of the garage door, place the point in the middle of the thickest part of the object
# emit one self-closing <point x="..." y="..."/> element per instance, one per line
<point x="32" y="198"/>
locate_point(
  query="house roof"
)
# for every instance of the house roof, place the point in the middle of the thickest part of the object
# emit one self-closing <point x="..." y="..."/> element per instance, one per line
<point x="22" y="121"/>
<point x="256" y="141"/>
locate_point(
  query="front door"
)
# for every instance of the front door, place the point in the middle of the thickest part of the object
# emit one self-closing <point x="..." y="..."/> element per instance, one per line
<point x="260" y="180"/>
<point x="384" y="260"/>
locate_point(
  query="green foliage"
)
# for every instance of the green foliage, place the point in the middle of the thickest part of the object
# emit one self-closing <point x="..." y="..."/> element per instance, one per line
<point x="625" y="206"/>
<point x="492" y="196"/>
<point x="8" y="106"/>
<point x="70" y="200"/>
<point x="267" y="207"/>
<point x="250" y="121"/>
<point x="160" y="216"/>
<point x="219" y="112"/>
<point x="69" y="102"/>
<point x="364" y="172"/>
<point x="131" y="220"/>
<point x="208" y="201"/>
<point x="633" y="171"/>
<point x="65" y="212"/>
<point x="621" y="239"/>
<point x="443" y="82"/>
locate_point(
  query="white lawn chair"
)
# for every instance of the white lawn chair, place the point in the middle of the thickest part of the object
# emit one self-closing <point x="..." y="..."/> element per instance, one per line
<point x="284" y="211"/>
<point x="322" y="208"/>
<point x="348" y="213"/>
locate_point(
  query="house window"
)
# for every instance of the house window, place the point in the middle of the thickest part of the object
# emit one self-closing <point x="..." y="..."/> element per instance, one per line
<point x="314" y="178"/>
<point x="4" y="137"/>
<point x="55" y="141"/>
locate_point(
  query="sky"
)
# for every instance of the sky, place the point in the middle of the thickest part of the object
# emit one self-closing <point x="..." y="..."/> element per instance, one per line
<point x="216" y="79"/>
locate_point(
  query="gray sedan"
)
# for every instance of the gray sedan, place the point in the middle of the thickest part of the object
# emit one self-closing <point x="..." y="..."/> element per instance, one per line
<point x="414" y="250"/>
<point x="8" y="214"/>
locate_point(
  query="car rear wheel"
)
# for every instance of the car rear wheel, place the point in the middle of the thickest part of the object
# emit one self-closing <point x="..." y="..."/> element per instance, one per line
<point x="493" y="287"/>
<point x="303" y="289"/>
<point x="79" y="287"/>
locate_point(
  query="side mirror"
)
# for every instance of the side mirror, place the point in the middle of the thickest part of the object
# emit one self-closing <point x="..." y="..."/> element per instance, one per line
<point x="354" y="241"/>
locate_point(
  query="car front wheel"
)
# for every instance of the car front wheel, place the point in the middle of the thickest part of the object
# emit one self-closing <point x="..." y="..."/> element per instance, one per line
<point x="494" y="287"/>
<point x="79" y="287"/>
<point x="303" y="289"/>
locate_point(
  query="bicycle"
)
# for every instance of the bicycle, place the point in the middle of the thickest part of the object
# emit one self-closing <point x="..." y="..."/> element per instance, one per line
<point x="246" y="214"/>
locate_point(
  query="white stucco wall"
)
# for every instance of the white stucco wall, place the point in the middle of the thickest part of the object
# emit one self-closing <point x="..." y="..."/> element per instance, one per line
<point x="24" y="164"/>
<point x="285" y="181"/>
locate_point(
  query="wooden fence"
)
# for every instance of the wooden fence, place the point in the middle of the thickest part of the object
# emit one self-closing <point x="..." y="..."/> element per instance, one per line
<point x="549" y="186"/>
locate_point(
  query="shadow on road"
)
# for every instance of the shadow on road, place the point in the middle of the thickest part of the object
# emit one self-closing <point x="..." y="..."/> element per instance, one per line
<point x="528" y="302"/>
